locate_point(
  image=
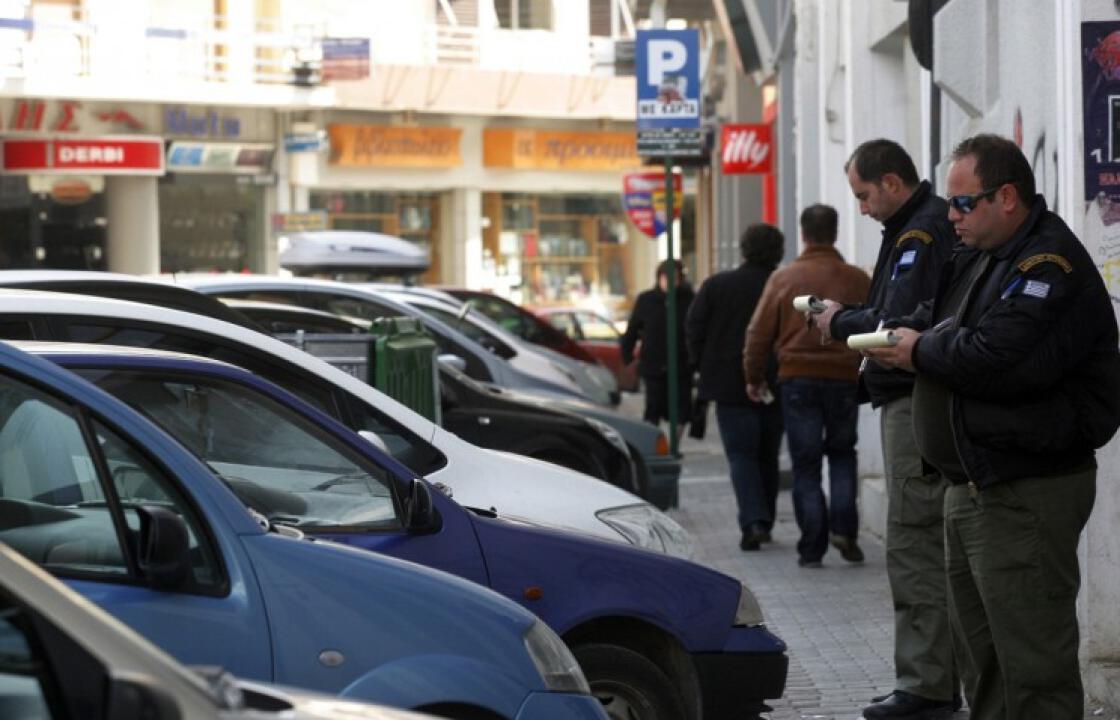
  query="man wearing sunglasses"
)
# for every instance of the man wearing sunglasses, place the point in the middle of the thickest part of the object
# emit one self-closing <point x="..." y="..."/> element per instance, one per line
<point x="916" y="241"/>
<point x="1017" y="383"/>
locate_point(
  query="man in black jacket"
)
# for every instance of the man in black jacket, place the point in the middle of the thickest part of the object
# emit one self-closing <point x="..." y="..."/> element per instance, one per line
<point x="751" y="432"/>
<point x="917" y="240"/>
<point x="1017" y="382"/>
<point x="649" y="324"/>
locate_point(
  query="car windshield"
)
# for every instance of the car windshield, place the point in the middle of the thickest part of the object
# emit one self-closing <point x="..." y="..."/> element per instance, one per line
<point x="277" y="461"/>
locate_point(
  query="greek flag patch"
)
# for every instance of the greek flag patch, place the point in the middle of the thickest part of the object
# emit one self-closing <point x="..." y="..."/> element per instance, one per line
<point x="907" y="258"/>
<point x="1036" y="288"/>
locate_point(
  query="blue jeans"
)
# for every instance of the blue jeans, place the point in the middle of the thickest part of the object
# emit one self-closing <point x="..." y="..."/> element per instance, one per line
<point x="751" y="436"/>
<point x="821" y="417"/>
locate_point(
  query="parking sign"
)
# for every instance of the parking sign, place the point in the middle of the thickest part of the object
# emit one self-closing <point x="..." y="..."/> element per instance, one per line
<point x="667" y="64"/>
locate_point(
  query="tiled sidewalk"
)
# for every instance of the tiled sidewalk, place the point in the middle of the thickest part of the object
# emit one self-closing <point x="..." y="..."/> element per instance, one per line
<point x="837" y="620"/>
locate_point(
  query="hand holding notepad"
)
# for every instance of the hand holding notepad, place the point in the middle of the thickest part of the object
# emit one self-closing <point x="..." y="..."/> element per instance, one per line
<point x="872" y="340"/>
<point x="808" y="304"/>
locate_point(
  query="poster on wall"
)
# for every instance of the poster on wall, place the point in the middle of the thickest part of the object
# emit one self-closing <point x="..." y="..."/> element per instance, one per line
<point x="1100" y="81"/>
<point x="1100" y="92"/>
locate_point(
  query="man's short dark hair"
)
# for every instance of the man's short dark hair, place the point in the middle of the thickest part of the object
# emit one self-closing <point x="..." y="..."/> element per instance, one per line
<point x="762" y="244"/>
<point x="999" y="161"/>
<point x="818" y="224"/>
<point x="665" y="266"/>
<point x="876" y="158"/>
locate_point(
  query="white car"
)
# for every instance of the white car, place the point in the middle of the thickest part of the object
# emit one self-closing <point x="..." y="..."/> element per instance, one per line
<point x="515" y="486"/>
<point x="485" y="363"/>
<point x="529" y="358"/>
<point x="59" y="651"/>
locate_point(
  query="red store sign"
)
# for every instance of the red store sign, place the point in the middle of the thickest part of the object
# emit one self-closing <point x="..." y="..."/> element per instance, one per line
<point x="746" y="149"/>
<point x="103" y="156"/>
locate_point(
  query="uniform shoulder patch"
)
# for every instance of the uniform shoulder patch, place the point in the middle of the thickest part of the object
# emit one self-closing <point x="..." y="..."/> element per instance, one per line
<point x="1041" y="258"/>
<point x="921" y="235"/>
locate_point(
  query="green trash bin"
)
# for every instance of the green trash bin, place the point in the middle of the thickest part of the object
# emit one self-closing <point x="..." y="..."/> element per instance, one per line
<point x="403" y="364"/>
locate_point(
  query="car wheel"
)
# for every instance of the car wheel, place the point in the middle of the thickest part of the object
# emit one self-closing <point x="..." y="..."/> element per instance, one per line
<point x="629" y="686"/>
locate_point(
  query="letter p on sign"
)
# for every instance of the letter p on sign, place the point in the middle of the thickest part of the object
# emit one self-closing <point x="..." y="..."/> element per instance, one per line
<point x="665" y="56"/>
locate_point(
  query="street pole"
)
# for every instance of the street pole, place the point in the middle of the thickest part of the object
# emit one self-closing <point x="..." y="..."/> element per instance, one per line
<point x="671" y="310"/>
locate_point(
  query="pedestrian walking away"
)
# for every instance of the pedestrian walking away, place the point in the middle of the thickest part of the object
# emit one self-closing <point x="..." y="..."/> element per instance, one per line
<point x="648" y="324"/>
<point x="917" y="239"/>
<point x="817" y="383"/>
<point x="1017" y="383"/>
<point x="751" y="431"/>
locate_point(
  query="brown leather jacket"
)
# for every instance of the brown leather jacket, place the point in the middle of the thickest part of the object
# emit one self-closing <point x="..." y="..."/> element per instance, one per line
<point x="820" y="270"/>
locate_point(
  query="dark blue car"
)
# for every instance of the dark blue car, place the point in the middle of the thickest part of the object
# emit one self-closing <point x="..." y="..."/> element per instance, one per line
<point x="99" y="496"/>
<point x="657" y="637"/>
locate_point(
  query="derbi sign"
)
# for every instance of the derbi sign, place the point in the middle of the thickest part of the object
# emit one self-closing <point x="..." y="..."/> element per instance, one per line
<point x="667" y="65"/>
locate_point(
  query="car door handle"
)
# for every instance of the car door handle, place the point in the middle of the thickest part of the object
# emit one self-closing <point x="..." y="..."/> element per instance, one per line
<point x="483" y="420"/>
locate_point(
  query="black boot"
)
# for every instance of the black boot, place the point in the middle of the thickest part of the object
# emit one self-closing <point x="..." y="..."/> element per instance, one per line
<point x="901" y="705"/>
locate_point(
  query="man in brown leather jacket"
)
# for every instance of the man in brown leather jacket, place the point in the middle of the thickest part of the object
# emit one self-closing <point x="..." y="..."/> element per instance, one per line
<point x="818" y="383"/>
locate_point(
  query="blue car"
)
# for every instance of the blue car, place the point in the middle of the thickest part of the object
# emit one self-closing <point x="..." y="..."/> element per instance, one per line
<point x="657" y="637"/>
<point x="99" y="496"/>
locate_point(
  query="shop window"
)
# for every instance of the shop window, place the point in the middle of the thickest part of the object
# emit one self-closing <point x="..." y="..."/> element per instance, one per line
<point x="556" y="249"/>
<point x="524" y="14"/>
<point x="413" y="217"/>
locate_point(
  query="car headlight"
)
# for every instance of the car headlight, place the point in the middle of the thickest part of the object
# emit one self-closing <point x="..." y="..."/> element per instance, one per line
<point x="554" y="661"/>
<point x="749" y="612"/>
<point x="647" y="527"/>
<point x="612" y="435"/>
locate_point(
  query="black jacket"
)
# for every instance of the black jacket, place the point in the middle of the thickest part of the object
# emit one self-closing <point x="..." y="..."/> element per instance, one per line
<point x="1031" y="361"/>
<point x="648" y="323"/>
<point x="917" y="240"/>
<point x="715" y="328"/>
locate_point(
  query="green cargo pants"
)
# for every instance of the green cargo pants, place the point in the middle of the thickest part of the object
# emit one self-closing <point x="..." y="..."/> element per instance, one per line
<point x="923" y="645"/>
<point x="1013" y="580"/>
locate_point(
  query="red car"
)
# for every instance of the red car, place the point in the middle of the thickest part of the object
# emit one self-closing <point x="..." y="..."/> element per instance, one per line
<point x="521" y="322"/>
<point x="597" y="335"/>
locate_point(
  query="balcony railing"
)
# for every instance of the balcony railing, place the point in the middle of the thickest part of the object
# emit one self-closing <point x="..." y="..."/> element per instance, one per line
<point x="203" y="49"/>
<point x="214" y="49"/>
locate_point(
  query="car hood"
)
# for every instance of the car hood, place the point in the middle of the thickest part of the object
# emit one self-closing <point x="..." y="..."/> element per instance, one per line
<point x="639" y="434"/>
<point x="304" y="705"/>
<point x="516" y="486"/>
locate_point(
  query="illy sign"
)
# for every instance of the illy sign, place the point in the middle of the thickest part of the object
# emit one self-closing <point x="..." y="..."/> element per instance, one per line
<point x="746" y="149"/>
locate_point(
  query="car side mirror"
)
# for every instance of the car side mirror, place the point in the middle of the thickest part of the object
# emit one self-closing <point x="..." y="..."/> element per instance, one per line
<point x="374" y="439"/>
<point x="138" y="698"/>
<point x="453" y="361"/>
<point x="164" y="547"/>
<point x="420" y="513"/>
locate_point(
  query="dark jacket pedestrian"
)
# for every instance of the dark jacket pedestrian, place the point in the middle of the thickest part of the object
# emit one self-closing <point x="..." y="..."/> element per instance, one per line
<point x="751" y="431"/>
<point x="648" y="324"/>
<point x="916" y="241"/>
<point x="917" y="238"/>
<point x="818" y="386"/>
<point x="1018" y="381"/>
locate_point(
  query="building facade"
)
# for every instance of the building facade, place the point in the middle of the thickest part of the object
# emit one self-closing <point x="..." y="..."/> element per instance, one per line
<point x="495" y="133"/>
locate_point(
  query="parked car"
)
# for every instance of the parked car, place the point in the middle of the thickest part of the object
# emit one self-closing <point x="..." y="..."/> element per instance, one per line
<point x="517" y="486"/>
<point x="101" y="497"/>
<point x="479" y="416"/>
<point x="354" y="301"/>
<point x="658" y="470"/>
<point x="65" y="657"/>
<point x="597" y="336"/>
<point x="596" y="382"/>
<point x="520" y="322"/>
<point x="656" y="636"/>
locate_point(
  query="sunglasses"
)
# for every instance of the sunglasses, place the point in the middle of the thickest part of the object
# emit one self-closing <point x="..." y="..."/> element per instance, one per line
<point x="965" y="204"/>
